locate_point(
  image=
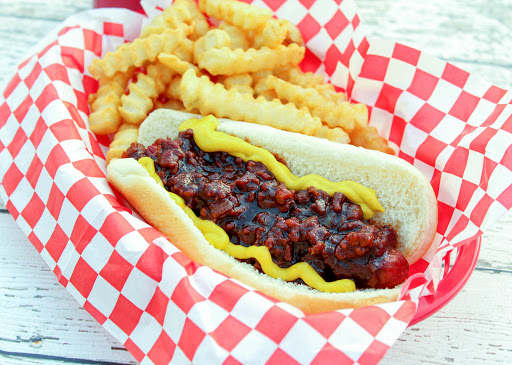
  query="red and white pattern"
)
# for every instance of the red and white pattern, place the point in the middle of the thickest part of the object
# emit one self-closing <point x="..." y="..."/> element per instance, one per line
<point x="453" y="126"/>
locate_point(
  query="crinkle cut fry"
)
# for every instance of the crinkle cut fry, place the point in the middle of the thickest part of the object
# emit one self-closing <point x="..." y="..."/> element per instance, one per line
<point x="125" y="136"/>
<point x="136" y="105"/>
<point x="171" y="17"/>
<point x="295" y="76"/>
<point x="104" y="117"/>
<point x="241" y="82"/>
<point x="185" y="51"/>
<point x="210" y="98"/>
<point x="272" y="35"/>
<point x="346" y="115"/>
<point x="238" y="36"/>
<point x="201" y="25"/>
<point x="173" y="91"/>
<point x="293" y="34"/>
<point x="242" y="15"/>
<point x="170" y="104"/>
<point x="175" y="64"/>
<point x="139" y="51"/>
<point x="368" y="137"/>
<point x="260" y="88"/>
<point x="226" y="61"/>
<point x="328" y="91"/>
<point x="332" y="134"/>
<point x="214" y="38"/>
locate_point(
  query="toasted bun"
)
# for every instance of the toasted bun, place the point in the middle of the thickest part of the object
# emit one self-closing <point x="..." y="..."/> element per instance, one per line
<point x="407" y="197"/>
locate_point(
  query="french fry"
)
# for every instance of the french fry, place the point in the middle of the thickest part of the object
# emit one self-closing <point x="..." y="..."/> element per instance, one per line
<point x="332" y="134"/>
<point x="294" y="75"/>
<point x="328" y="91"/>
<point x="261" y="74"/>
<point x="226" y="61"/>
<point x="138" y="52"/>
<point x="170" y="104"/>
<point x="240" y="82"/>
<point x="240" y="14"/>
<point x="260" y="88"/>
<point x="292" y="33"/>
<point x="92" y="97"/>
<point x="171" y="17"/>
<point x="272" y="35"/>
<point x="136" y="105"/>
<point x="173" y="91"/>
<point x="161" y="75"/>
<point x="185" y="51"/>
<point x="175" y="64"/>
<point x="201" y="25"/>
<point x="210" y="98"/>
<point x="104" y="117"/>
<point x="214" y="38"/>
<point x="243" y="54"/>
<point x="368" y="137"/>
<point x="238" y="36"/>
<point x="346" y="115"/>
<point x="125" y="136"/>
<point x="259" y="85"/>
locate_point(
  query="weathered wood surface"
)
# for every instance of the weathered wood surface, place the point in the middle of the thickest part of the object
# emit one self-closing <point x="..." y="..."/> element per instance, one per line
<point x="42" y="323"/>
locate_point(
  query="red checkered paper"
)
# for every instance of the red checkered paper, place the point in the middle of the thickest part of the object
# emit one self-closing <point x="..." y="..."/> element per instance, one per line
<point x="453" y="126"/>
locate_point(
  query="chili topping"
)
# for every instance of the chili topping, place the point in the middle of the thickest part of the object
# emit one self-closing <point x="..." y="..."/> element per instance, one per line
<point x="327" y="232"/>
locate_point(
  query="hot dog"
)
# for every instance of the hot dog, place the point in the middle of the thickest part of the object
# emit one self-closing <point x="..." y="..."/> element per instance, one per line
<point x="330" y="231"/>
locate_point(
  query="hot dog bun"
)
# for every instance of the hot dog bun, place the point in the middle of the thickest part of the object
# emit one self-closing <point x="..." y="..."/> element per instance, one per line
<point x="407" y="197"/>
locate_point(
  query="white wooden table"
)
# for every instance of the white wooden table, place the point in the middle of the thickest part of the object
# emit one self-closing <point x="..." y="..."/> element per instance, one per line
<point x="40" y="323"/>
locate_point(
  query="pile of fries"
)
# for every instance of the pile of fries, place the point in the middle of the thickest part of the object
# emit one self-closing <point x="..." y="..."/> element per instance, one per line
<point x="226" y="58"/>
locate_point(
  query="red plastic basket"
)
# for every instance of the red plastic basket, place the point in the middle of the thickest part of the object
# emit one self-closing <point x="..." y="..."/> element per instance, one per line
<point x="452" y="283"/>
<point x="128" y="4"/>
<point x="466" y="255"/>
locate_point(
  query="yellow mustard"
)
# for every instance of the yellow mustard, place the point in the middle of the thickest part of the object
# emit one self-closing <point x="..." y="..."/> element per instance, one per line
<point x="210" y="140"/>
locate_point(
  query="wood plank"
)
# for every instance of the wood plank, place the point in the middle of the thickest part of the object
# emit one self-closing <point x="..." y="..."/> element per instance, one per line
<point x="448" y="30"/>
<point x="48" y="10"/>
<point x="495" y="253"/>
<point x="432" y="31"/>
<point x="16" y="39"/>
<point x="23" y="359"/>
<point x="22" y="25"/>
<point x="473" y="328"/>
<point x="500" y="76"/>
<point x="444" y="28"/>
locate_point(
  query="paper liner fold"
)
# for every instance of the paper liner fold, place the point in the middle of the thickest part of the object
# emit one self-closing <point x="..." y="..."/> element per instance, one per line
<point x="453" y="126"/>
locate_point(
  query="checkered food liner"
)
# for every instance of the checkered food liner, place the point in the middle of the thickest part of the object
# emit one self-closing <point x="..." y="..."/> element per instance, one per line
<point x="453" y="126"/>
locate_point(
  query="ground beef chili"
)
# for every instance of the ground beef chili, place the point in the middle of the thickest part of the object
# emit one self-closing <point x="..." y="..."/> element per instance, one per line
<point x="245" y="199"/>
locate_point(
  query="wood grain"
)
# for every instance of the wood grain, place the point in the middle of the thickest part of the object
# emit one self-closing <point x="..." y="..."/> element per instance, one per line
<point x="474" y="35"/>
<point x="55" y="11"/>
<point x="43" y="324"/>
<point x="463" y="332"/>
<point x="17" y="37"/>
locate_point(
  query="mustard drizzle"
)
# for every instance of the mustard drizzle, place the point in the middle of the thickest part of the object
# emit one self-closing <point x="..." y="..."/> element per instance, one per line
<point x="210" y="140"/>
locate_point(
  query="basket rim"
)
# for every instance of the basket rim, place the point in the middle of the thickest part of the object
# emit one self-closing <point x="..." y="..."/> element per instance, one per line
<point x="452" y="283"/>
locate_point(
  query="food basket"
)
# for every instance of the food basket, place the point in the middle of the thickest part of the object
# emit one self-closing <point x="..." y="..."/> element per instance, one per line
<point x="458" y="275"/>
<point x="453" y="126"/>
